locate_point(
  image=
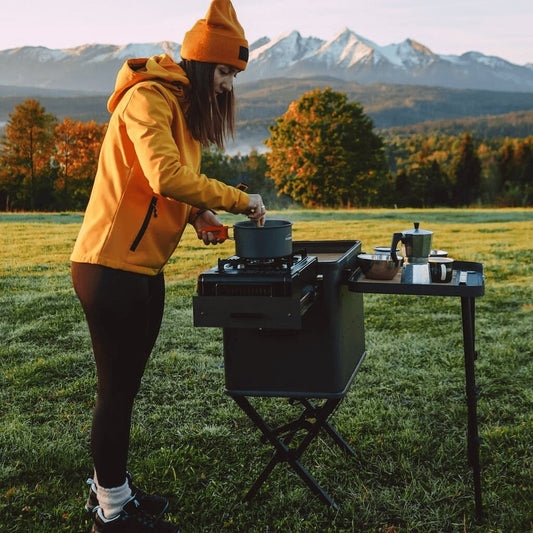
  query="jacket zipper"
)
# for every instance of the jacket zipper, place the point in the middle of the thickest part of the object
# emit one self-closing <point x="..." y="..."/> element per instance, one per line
<point x="152" y="210"/>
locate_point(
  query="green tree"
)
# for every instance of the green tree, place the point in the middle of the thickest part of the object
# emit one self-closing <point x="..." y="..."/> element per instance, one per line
<point x="252" y="169"/>
<point x="216" y="164"/>
<point x="25" y="156"/>
<point x="438" y="188"/>
<point x="515" y="165"/>
<point x="490" y="175"/>
<point x="466" y="173"/>
<point x="423" y="185"/>
<point x="6" y="187"/>
<point x="324" y="153"/>
<point x="524" y="175"/>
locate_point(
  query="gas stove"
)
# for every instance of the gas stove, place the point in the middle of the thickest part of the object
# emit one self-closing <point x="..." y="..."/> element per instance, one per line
<point x="237" y="276"/>
<point x="249" y="293"/>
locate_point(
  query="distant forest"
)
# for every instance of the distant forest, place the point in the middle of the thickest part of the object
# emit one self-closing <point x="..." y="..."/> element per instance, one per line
<point x="444" y="147"/>
<point x="514" y="125"/>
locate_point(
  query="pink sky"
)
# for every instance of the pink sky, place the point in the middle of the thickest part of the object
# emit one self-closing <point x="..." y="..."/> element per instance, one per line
<point x="445" y="26"/>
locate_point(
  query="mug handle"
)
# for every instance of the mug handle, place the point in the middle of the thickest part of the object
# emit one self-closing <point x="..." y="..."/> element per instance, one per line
<point x="442" y="272"/>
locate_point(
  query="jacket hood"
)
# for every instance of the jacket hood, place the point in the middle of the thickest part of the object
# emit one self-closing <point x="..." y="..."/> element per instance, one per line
<point x="161" y="68"/>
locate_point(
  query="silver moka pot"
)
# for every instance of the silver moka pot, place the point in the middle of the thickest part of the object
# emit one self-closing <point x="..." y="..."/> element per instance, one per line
<point x="417" y="247"/>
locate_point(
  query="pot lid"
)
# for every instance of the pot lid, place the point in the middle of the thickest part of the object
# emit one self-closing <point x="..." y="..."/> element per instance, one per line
<point x="417" y="230"/>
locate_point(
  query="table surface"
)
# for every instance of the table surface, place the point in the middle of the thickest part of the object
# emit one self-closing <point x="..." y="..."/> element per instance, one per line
<point x="474" y="286"/>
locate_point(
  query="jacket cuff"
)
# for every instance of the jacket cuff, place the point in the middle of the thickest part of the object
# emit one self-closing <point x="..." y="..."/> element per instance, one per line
<point x="195" y="213"/>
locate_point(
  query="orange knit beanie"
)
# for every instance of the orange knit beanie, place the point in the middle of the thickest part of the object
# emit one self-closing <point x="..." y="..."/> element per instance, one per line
<point x="219" y="38"/>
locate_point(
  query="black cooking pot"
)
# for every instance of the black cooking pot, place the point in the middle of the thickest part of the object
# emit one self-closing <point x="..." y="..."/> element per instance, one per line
<point x="274" y="239"/>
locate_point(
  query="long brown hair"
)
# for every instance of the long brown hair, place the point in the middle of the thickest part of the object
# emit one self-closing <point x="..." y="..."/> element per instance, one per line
<point x="210" y="117"/>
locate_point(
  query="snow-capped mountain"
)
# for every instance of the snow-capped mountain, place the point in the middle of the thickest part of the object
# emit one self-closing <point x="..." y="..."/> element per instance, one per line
<point x="347" y="56"/>
<point x="350" y="57"/>
<point x="90" y="67"/>
<point x="273" y="58"/>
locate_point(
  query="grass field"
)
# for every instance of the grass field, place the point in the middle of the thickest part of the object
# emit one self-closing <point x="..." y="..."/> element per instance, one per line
<point x="405" y="413"/>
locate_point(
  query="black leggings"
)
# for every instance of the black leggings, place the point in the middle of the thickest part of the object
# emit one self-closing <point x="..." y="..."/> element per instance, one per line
<point x="124" y="312"/>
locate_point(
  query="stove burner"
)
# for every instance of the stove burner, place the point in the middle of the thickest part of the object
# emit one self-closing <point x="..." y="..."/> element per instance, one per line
<point x="266" y="264"/>
<point x="287" y="277"/>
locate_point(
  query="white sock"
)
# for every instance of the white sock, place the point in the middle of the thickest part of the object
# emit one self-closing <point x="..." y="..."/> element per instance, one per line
<point x="112" y="500"/>
<point x="93" y="481"/>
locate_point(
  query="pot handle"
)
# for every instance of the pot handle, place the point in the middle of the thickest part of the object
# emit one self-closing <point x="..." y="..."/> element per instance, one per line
<point x="220" y="232"/>
<point x="396" y="238"/>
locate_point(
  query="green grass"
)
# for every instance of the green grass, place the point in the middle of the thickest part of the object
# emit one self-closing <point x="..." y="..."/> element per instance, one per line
<point x="405" y="414"/>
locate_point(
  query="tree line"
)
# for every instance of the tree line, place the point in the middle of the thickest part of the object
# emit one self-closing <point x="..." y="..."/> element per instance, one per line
<point x="322" y="152"/>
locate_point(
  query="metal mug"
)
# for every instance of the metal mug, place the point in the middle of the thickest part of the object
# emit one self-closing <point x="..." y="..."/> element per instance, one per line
<point x="441" y="269"/>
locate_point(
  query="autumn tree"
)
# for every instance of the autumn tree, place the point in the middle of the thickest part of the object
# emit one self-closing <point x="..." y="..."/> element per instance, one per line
<point x="323" y="152"/>
<point x="24" y="156"/>
<point x="75" y="160"/>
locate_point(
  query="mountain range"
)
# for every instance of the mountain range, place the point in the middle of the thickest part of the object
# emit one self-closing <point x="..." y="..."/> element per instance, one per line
<point x="398" y="85"/>
<point x="347" y="57"/>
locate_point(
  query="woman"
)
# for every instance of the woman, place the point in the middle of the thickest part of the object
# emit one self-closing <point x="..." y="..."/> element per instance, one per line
<point x="147" y="188"/>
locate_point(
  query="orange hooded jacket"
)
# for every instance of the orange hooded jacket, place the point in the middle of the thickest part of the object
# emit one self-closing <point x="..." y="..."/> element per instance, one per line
<point x="148" y="174"/>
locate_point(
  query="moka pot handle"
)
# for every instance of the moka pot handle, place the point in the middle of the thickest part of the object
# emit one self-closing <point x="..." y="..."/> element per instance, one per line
<point x="396" y="238"/>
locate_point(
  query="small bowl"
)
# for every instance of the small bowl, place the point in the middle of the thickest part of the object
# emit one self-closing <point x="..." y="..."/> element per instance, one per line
<point x="379" y="250"/>
<point x="438" y="253"/>
<point x="379" y="266"/>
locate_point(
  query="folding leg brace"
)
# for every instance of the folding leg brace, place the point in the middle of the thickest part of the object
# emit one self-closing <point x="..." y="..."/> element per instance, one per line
<point x="312" y="420"/>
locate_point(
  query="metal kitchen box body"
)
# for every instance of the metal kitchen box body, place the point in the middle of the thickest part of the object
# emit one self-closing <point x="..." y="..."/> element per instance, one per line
<point x="320" y="359"/>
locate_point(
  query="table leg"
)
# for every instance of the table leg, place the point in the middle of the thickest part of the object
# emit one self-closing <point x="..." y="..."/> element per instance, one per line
<point x="473" y="439"/>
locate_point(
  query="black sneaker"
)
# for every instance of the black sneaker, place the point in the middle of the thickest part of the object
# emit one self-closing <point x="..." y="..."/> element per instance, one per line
<point x="131" y="520"/>
<point x="151" y="504"/>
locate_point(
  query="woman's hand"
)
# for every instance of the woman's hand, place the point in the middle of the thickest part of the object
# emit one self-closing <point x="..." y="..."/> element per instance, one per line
<point x="256" y="209"/>
<point x="206" y="219"/>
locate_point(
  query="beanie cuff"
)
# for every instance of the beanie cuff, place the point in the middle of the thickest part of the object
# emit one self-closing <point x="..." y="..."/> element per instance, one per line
<point x="215" y="48"/>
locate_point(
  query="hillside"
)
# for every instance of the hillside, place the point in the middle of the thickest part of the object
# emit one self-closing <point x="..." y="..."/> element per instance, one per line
<point x="389" y="106"/>
<point x="81" y="107"/>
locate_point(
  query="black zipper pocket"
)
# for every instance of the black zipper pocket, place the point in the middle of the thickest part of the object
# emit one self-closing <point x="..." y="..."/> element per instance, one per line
<point x="152" y="210"/>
